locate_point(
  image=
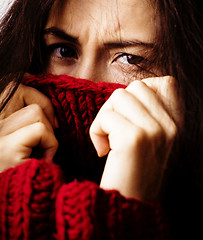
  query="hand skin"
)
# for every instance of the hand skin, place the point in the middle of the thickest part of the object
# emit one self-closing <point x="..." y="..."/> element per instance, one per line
<point x="25" y="96"/>
<point x="137" y="127"/>
<point x="26" y="122"/>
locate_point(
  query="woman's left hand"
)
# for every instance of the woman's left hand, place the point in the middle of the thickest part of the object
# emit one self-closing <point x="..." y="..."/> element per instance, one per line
<point x="136" y="127"/>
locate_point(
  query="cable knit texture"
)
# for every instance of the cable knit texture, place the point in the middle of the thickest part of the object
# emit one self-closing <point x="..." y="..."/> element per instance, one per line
<point x="39" y="200"/>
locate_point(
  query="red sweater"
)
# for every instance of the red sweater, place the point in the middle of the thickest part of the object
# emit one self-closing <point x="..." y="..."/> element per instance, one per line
<point x="39" y="200"/>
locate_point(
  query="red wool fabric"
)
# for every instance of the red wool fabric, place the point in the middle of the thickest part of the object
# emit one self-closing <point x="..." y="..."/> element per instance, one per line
<point x="39" y="200"/>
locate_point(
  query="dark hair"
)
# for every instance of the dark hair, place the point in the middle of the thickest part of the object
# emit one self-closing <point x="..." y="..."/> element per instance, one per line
<point x="179" y="38"/>
<point x="180" y="48"/>
<point x="180" y="43"/>
<point x="20" y="41"/>
<point x="181" y="54"/>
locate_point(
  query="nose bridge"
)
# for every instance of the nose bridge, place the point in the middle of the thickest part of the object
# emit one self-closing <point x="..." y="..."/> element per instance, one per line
<point x="87" y="68"/>
<point x="89" y="63"/>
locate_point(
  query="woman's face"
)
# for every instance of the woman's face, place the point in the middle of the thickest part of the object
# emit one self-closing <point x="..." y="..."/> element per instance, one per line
<point x="101" y="40"/>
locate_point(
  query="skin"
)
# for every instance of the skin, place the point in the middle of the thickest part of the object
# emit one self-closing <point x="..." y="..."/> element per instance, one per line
<point x="137" y="126"/>
<point x="19" y="135"/>
<point x="96" y="49"/>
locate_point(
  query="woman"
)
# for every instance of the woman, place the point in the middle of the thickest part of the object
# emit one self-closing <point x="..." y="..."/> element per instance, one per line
<point x="138" y="40"/>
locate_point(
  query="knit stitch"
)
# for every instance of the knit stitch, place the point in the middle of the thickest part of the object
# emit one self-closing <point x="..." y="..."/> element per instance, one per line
<point x="36" y="202"/>
<point x="76" y="102"/>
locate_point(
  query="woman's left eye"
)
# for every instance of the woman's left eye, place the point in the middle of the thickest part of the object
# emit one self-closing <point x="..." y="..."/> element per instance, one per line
<point x="130" y="59"/>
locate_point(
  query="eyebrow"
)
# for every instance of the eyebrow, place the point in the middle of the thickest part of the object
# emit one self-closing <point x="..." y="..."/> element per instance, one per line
<point x="60" y="34"/>
<point x="131" y="43"/>
<point x="114" y="44"/>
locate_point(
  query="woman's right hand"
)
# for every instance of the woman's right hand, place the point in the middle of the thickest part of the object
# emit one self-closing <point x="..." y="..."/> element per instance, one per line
<point x="26" y="122"/>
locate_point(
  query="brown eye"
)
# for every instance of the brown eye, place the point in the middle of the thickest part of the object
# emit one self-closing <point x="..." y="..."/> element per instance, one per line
<point x="66" y="52"/>
<point x="133" y="59"/>
<point x="130" y="59"/>
<point x="62" y="51"/>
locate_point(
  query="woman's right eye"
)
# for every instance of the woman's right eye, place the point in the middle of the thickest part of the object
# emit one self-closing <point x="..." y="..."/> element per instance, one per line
<point x="62" y="51"/>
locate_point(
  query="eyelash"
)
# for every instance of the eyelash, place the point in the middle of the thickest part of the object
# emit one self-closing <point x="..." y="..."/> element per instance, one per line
<point x="133" y="60"/>
<point x="59" y="46"/>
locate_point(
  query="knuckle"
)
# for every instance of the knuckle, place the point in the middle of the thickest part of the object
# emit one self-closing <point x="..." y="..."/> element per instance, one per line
<point x="170" y="81"/>
<point x="136" y="136"/>
<point x="16" y="160"/>
<point x="172" y="131"/>
<point x="155" y="133"/>
<point x="164" y="133"/>
<point x="157" y="129"/>
<point x="35" y="108"/>
<point x="46" y="101"/>
<point x="135" y="85"/>
<point x="35" y="111"/>
<point x="118" y="93"/>
<point x="40" y="127"/>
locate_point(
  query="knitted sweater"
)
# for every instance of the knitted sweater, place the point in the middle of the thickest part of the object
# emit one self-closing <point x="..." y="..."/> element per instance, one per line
<point x="39" y="200"/>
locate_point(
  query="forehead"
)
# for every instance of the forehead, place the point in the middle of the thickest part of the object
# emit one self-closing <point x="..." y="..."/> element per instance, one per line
<point x="105" y="18"/>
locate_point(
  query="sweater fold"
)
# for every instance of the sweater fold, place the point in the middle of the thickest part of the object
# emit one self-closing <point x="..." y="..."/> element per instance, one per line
<point x="40" y="200"/>
<point x="86" y="211"/>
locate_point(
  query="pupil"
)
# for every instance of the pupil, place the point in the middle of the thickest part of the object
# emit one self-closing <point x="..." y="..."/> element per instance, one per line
<point x="68" y="52"/>
<point x="134" y="59"/>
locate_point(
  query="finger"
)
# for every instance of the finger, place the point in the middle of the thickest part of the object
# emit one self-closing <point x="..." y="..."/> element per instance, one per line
<point x="25" y="96"/>
<point x="107" y="132"/>
<point x="33" y="96"/>
<point x="166" y="88"/>
<point x="32" y="136"/>
<point x="154" y="105"/>
<point x="129" y="107"/>
<point x="17" y="147"/>
<point x="24" y="117"/>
